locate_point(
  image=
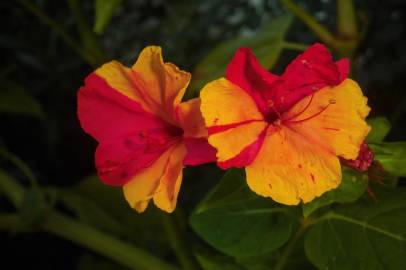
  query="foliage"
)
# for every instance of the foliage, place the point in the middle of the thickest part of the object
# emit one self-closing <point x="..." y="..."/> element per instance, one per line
<point x="359" y="225"/>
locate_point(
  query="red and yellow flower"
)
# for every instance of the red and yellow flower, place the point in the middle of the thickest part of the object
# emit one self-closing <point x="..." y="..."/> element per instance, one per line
<point x="146" y="134"/>
<point x="288" y="131"/>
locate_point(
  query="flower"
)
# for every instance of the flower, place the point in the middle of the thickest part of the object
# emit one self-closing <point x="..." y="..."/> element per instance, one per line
<point x="364" y="160"/>
<point x="145" y="133"/>
<point x="288" y="131"/>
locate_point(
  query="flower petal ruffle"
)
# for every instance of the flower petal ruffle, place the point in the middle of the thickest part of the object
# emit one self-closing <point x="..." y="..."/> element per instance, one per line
<point x="157" y="86"/>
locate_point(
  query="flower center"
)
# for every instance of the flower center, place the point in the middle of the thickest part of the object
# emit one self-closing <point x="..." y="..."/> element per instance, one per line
<point x="174" y="131"/>
<point x="277" y="119"/>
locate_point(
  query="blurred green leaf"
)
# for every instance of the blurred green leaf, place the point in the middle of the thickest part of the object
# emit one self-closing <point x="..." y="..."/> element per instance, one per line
<point x="33" y="206"/>
<point x="14" y="99"/>
<point x="380" y="127"/>
<point x="107" y="205"/>
<point x="392" y="156"/>
<point x="352" y="187"/>
<point x="267" y="45"/>
<point x="104" y="11"/>
<point x="239" y="223"/>
<point x="297" y="259"/>
<point x="361" y="236"/>
<point x="211" y="262"/>
<point x="91" y="213"/>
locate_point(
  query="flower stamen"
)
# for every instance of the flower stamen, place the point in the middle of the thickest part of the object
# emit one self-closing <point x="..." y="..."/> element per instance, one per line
<point x="302" y="111"/>
<point x="331" y="102"/>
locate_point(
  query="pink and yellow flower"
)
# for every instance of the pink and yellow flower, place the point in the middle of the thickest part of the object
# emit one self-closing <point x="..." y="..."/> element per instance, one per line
<point x="146" y="134"/>
<point x="288" y="131"/>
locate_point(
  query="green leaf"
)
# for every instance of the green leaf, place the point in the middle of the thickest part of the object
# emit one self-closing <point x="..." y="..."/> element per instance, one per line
<point x="104" y="11"/>
<point x="380" y="127"/>
<point x="362" y="236"/>
<point x="352" y="187"/>
<point x="392" y="156"/>
<point x="15" y="100"/>
<point x="210" y="262"/>
<point x="239" y="223"/>
<point x="267" y="45"/>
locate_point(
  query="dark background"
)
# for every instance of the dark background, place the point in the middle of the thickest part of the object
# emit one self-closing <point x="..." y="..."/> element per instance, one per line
<point x="61" y="154"/>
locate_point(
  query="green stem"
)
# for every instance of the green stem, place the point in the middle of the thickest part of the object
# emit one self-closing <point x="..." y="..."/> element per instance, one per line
<point x="126" y="254"/>
<point x="322" y="32"/>
<point x="348" y="36"/>
<point x="290" y="246"/>
<point x="65" y="227"/>
<point x="89" y="38"/>
<point x="60" y="31"/>
<point x="295" y="46"/>
<point x="347" y="22"/>
<point x="80" y="233"/>
<point x="11" y="188"/>
<point x="178" y="243"/>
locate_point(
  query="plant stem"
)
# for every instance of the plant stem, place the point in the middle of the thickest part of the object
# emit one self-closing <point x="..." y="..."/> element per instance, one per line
<point x="126" y="254"/>
<point x="322" y="32"/>
<point x="295" y="46"/>
<point x="348" y="36"/>
<point x="11" y="188"/>
<point x="178" y="242"/>
<point x="347" y="22"/>
<point x="60" y="31"/>
<point x="80" y="233"/>
<point x="290" y="246"/>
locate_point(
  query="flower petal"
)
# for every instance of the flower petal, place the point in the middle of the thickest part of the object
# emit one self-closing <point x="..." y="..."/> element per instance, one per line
<point x="166" y="195"/>
<point x="163" y="176"/>
<point x="289" y="169"/>
<point x="224" y="103"/>
<point x="140" y="189"/>
<point x="341" y="127"/>
<point x="232" y="142"/>
<point x="246" y="156"/>
<point x="233" y="120"/>
<point x="245" y="71"/>
<point x="309" y="72"/>
<point x="199" y="151"/>
<point x="166" y="83"/>
<point x="191" y="120"/>
<point x="157" y="86"/>
<point x="130" y="138"/>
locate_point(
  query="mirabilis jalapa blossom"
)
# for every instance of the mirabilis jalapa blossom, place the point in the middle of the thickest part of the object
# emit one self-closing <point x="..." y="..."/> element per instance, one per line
<point x="288" y="131"/>
<point x="146" y="134"/>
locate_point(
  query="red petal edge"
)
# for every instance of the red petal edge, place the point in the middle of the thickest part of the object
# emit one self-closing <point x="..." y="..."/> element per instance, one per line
<point x="245" y="71"/>
<point x="246" y="156"/>
<point x="363" y="161"/>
